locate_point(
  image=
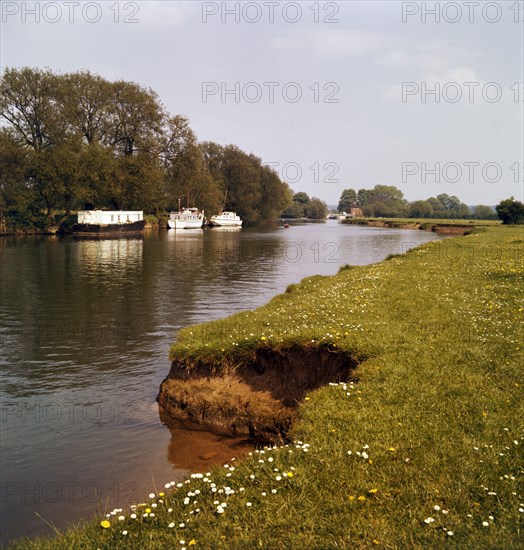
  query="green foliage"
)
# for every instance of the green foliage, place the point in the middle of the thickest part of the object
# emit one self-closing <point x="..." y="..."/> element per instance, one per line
<point x="347" y="200"/>
<point x="78" y="140"/>
<point x="420" y="209"/>
<point x="483" y="212"/>
<point x="387" y="201"/>
<point x="316" y="209"/>
<point x="510" y="211"/>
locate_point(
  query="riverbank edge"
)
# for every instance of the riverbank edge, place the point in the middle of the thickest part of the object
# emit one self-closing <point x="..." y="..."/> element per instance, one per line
<point x="442" y="227"/>
<point x="312" y="418"/>
<point x="248" y="395"/>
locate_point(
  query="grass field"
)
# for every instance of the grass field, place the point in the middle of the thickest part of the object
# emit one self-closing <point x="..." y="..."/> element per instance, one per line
<point x="423" y="449"/>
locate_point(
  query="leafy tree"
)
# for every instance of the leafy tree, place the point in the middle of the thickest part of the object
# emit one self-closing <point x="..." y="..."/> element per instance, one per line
<point x="510" y="211"/>
<point x="382" y="200"/>
<point x="297" y="209"/>
<point x="20" y="205"/>
<point x="347" y="200"/>
<point x="276" y="194"/>
<point x="363" y="197"/>
<point x="86" y="100"/>
<point x="420" y="209"/>
<point x="483" y="212"/>
<point x="301" y="198"/>
<point x="316" y="209"/>
<point x="28" y="104"/>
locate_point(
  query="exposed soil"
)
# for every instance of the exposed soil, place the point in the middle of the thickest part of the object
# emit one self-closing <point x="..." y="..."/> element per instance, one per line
<point x="257" y="399"/>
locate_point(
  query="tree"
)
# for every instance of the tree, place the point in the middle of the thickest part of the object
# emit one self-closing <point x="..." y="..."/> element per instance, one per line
<point x="347" y="200"/>
<point x="420" y="209"/>
<point x="483" y="212"/>
<point x="276" y="194"/>
<point x="383" y="200"/>
<point x="316" y="209"/>
<point x="297" y="209"/>
<point x="86" y="100"/>
<point x="28" y="103"/>
<point x="510" y="211"/>
<point x="301" y="198"/>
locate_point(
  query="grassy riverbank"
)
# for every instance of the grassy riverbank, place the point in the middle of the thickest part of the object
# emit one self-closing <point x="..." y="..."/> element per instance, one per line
<point x="423" y="450"/>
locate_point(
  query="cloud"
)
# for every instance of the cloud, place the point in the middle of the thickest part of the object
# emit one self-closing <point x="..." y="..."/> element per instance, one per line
<point x="333" y="44"/>
<point x="156" y="13"/>
<point x="429" y="56"/>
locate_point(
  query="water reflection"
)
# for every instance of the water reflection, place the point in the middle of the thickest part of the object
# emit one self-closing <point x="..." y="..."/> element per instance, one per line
<point x="196" y="449"/>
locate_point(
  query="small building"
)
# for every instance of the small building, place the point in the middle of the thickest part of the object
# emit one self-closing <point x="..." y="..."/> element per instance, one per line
<point x="355" y="212"/>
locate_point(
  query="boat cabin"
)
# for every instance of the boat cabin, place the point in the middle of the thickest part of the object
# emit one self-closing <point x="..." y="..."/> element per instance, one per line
<point x="106" y="217"/>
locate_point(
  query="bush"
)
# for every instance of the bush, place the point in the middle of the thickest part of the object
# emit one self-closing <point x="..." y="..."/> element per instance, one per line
<point x="510" y="211"/>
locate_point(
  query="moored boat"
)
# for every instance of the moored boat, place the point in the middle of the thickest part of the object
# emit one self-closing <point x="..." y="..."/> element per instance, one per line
<point x="108" y="222"/>
<point x="187" y="218"/>
<point x="226" y="219"/>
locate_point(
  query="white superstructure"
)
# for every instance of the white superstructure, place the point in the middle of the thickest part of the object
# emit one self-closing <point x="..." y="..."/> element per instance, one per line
<point x="187" y="218"/>
<point x="107" y="217"/>
<point x="225" y="219"/>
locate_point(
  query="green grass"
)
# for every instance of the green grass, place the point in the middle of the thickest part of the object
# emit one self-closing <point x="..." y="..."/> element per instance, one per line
<point x="423" y="450"/>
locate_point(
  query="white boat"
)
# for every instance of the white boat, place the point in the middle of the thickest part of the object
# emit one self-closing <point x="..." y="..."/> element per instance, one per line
<point x="226" y="219"/>
<point x="187" y="218"/>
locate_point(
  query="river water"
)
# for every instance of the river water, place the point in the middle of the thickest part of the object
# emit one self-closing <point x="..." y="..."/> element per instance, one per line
<point x="85" y="327"/>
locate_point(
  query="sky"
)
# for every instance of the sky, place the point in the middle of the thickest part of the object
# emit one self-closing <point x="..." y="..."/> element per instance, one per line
<point x="426" y="96"/>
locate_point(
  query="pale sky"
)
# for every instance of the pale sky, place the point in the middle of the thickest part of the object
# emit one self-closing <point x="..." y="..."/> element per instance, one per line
<point x="334" y="94"/>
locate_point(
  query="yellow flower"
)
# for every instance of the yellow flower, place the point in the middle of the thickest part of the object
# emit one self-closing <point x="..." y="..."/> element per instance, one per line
<point x="361" y="497"/>
<point x="148" y="510"/>
<point x="192" y="542"/>
<point x="391" y="449"/>
<point x="351" y="498"/>
<point x="161" y="494"/>
<point x="373" y="491"/>
<point x="290" y="474"/>
<point x="105" y="524"/>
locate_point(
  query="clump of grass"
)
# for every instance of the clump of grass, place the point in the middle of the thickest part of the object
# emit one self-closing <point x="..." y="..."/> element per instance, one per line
<point x="425" y="451"/>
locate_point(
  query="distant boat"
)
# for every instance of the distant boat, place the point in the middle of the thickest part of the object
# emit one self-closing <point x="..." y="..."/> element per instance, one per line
<point x="226" y="219"/>
<point x="187" y="218"/>
<point x="108" y="222"/>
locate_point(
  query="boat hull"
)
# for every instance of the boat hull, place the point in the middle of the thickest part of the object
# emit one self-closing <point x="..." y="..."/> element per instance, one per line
<point x="112" y="229"/>
<point x="184" y="224"/>
<point x="225" y="223"/>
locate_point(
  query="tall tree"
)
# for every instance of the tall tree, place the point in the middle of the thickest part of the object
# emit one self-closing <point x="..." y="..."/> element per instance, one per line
<point x="28" y="103"/>
<point x="347" y="200"/>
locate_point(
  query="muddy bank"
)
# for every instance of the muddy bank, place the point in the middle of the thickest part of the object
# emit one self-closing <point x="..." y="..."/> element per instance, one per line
<point x="440" y="228"/>
<point x="257" y="399"/>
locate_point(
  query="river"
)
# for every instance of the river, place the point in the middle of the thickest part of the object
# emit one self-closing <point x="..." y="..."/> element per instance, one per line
<point x="85" y="327"/>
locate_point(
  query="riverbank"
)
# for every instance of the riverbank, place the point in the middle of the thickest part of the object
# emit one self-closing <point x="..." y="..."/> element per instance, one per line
<point x="422" y="447"/>
<point x="441" y="226"/>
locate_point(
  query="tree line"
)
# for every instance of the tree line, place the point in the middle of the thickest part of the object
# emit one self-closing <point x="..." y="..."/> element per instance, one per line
<point x="388" y="201"/>
<point x="76" y="140"/>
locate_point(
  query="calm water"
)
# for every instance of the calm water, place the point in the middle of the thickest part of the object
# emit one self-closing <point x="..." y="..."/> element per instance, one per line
<point x="85" y="327"/>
